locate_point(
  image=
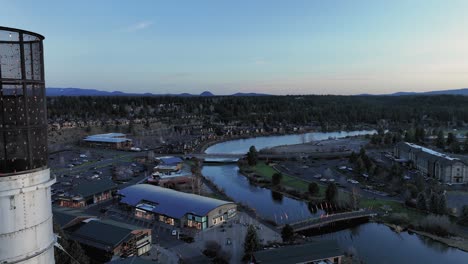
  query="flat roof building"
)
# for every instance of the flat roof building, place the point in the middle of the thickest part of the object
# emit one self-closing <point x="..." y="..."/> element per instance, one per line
<point x="87" y="194"/>
<point x="433" y="164"/>
<point x="176" y="208"/>
<point x="109" y="140"/>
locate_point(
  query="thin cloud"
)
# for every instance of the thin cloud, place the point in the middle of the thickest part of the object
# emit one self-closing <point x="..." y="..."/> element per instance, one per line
<point x="139" y="26"/>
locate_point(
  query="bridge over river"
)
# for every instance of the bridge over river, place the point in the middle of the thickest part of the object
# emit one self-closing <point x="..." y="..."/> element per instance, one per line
<point x="317" y="222"/>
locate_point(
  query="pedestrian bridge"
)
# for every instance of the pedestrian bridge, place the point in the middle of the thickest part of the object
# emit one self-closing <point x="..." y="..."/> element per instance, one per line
<point x="318" y="222"/>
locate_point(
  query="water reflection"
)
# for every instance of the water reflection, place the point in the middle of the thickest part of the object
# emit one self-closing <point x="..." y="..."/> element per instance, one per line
<point x="376" y="243"/>
<point x="269" y="205"/>
<point x="242" y="145"/>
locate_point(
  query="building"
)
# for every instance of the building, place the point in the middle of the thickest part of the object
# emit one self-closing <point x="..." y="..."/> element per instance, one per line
<point x="167" y="165"/>
<point x="175" y="208"/>
<point x="109" y="140"/>
<point x="26" y="235"/>
<point x="66" y="217"/>
<point x="432" y="163"/>
<point x="132" y="260"/>
<point x="84" y="195"/>
<point x="320" y="252"/>
<point x="103" y="240"/>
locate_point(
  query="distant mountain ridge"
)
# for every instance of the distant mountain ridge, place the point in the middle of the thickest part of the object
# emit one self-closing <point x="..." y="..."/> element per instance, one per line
<point x="94" y="92"/>
<point x="461" y="91"/>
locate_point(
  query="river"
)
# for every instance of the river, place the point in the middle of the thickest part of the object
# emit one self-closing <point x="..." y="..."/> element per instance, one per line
<point x="374" y="243"/>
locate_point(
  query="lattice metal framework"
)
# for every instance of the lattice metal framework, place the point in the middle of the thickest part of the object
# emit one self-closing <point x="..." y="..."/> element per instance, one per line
<point x="23" y="117"/>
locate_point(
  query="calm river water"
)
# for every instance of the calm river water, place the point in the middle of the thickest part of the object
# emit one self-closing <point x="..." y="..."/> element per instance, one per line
<point x="374" y="243"/>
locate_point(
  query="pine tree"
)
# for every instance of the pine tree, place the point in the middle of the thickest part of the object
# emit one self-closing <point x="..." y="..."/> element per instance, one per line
<point x="276" y="178"/>
<point x="71" y="247"/>
<point x="434" y="203"/>
<point x="313" y="188"/>
<point x="251" y="242"/>
<point x="442" y="205"/>
<point x="421" y="202"/>
<point x="440" y="142"/>
<point x="287" y="233"/>
<point x="331" y="194"/>
<point x="252" y="156"/>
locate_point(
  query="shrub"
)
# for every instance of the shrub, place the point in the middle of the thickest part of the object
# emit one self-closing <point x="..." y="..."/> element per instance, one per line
<point x="398" y="218"/>
<point x="437" y="224"/>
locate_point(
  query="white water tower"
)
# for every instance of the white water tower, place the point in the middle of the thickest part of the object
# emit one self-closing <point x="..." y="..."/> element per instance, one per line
<point x="26" y="234"/>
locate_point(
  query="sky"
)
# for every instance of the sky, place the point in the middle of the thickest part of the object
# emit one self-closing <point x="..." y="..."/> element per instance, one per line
<point x="276" y="47"/>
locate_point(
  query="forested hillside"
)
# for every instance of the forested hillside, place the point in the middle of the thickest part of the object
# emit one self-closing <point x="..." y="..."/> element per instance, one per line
<point x="345" y="110"/>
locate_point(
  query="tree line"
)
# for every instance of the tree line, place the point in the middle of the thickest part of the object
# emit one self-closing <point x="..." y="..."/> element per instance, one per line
<point x="324" y="110"/>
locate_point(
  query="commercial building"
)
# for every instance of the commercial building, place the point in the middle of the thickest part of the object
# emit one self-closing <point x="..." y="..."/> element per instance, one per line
<point x="109" y="140"/>
<point x="433" y="164"/>
<point x="320" y="252"/>
<point x="170" y="172"/>
<point x="26" y="235"/>
<point x="84" y="195"/>
<point x="168" y="164"/>
<point x="175" y="208"/>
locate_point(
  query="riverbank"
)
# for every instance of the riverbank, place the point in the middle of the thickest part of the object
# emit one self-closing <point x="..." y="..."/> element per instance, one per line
<point x="453" y="241"/>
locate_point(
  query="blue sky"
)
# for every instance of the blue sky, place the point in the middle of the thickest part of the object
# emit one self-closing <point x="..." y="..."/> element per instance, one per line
<point x="277" y="47"/>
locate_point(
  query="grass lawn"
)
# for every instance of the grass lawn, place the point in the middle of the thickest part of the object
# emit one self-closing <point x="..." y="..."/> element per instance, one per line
<point x="413" y="214"/>
<point x="296" y="183"/>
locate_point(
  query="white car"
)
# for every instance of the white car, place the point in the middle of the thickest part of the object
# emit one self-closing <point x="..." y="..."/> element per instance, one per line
<point x="343" y="168"/>
<point x="323" y="180"/>
<point x="331" y="180"/>
<point x="174" y="232"/>
<point x="318" y="176"/>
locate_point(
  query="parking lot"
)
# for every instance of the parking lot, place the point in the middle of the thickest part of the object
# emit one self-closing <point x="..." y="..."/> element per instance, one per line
<point x="338" y="171"/>
<point x="86" y="165"/>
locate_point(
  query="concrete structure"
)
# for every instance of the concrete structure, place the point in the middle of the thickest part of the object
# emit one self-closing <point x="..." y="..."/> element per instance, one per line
<point x="175" y="208"/>
<point x="322" y="252"/>
<point x="432" y="163"/>
<point x="26" y="234"/>
<point x="87" y="194"/>
<point x="109" y="140"/>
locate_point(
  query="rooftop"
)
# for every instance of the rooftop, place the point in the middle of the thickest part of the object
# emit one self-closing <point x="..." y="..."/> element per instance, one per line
<point x="95" y="187"/>
<point x="299" y="253"/>
<point x="64" y="216"/>
<point x="169" y="202"/>
<point x="430" y="151"/>
<point x="168" y="160"/>
<point x="105" y="234"/>
<point x="109" y="137"/>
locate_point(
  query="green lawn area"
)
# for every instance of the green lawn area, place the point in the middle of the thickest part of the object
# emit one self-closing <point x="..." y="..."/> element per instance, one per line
<point x="267" y="172"/>
<point x="396" y="208"/>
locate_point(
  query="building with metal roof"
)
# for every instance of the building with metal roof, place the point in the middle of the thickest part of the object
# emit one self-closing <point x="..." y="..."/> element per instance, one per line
<point x="86" y="194"/>
<point x="326" y="252"/>
<point x="66" y="217"/>
<point x="109" y="140"/>
<point x="176" y="208"/>
<point x="104" y="239"/>
<point x="433" y="164"/>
